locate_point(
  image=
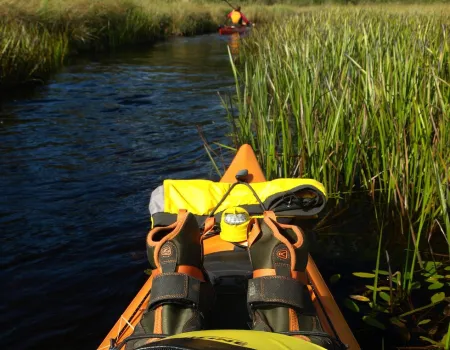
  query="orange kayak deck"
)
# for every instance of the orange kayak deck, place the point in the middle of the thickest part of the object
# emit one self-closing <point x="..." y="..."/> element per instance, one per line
<point x="330" y="316"/>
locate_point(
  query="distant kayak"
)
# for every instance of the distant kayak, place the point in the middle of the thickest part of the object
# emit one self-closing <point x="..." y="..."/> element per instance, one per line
<point x="227" y="30"/>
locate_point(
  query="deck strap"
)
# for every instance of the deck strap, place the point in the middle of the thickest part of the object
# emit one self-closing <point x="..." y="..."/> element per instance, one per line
<point x="174" y="288"/>
<point x="275" y="290"/>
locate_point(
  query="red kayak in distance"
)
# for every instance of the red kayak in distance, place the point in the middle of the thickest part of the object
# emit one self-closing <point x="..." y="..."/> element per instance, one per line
<point x="228" y="30"/>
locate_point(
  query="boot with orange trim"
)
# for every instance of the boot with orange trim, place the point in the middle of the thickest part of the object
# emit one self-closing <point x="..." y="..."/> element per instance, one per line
<point x="181" y="296"/>
<point x="278" y="298"/>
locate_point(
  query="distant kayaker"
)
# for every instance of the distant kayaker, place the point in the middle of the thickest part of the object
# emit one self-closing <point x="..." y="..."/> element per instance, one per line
<point x="237" y="17"/>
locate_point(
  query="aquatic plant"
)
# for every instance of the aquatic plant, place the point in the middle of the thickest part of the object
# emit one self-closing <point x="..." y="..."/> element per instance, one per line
<point x="37" y="36"/>
<point x="388" y="305"/>
<point x="360" y="100"/>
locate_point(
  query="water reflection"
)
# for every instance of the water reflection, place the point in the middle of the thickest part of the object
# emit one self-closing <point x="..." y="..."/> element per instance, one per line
<point x="79" y="159"/>
<point x="233" y="43"/>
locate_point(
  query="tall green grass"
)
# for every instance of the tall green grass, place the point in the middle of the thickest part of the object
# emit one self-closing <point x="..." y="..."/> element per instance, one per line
<point x="360" y="100"/>
<point x="36" y="36"/>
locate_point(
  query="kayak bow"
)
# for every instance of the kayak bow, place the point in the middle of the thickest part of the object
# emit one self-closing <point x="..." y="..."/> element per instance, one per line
<point x="328" y="313"/>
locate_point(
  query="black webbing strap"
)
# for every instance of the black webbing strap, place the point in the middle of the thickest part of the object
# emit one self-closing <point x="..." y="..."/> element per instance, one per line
<point x="229" y="191"/>
<point x="174" y="287"/>
<point x="275" y="290"/>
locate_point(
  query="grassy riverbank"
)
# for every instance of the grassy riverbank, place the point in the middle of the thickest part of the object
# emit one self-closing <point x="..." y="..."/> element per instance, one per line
<point x="360" y="100"/>
<point x="37" y="36"/>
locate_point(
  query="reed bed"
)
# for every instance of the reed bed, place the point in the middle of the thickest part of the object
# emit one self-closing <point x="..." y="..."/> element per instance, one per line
<point x="37" y="36"/>
<point x="360" y="100"/>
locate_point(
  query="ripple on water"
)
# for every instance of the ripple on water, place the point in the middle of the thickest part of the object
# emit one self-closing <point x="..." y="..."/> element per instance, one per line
<point x="79" y="161"/>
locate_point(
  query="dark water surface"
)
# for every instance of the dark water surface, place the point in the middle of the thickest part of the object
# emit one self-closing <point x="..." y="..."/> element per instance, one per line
<point x="78" y="162"/>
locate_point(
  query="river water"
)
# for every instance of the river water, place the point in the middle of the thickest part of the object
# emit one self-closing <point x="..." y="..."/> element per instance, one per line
<point x="79" y="159"/>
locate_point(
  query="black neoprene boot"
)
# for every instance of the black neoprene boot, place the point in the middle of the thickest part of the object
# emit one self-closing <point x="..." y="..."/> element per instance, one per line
<point x="278" y="298"/>
<point x="181" y="296"/>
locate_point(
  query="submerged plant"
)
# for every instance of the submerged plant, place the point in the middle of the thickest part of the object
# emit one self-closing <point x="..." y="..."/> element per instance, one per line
<point x="388" y="304"/>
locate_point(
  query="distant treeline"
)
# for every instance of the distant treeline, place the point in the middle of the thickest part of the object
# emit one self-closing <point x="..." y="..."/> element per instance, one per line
<point x="318" y="2"/>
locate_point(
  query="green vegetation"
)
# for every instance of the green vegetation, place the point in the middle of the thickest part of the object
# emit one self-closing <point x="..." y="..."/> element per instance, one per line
<point x="386" y="304"/>
<point x="36" y="36"/>
<point x="359" y="98"/>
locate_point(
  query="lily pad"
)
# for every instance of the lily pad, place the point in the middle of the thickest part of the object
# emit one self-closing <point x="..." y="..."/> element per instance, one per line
<point x="370" y="287"/>
<point x="360" y="298"/>
<point x="433" y="330"/>
<point x="350" y="304"/>
<point x="335" y="278"/>
<point x="437" y="285"/>
<point x="421" y="323"/>
<point x="364" y="274"/>
<point x="431" y="266"/>
<point x="436" y="298"/>
<point x="385" y="296"/>
<point x="434" y="278"/>
<point x="396" y="321"/>
<point x="379" y="308"/>
<point x="373" y="322"/>
<point x="415" y="285"/>
<point x="399" y="327"/>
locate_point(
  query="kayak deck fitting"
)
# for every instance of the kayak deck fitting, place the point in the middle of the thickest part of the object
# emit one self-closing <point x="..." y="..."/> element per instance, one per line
<point x="229" y="268"/>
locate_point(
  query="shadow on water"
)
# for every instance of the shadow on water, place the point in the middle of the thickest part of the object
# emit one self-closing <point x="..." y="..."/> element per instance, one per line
<point x="80" y="157"/>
